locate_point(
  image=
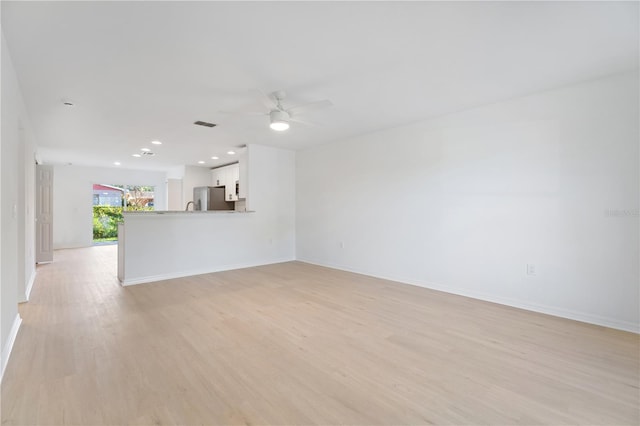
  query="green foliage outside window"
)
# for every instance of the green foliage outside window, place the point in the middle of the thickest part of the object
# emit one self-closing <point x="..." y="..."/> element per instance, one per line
<point x="106" y="218"/>
<point x="105" y="221"/>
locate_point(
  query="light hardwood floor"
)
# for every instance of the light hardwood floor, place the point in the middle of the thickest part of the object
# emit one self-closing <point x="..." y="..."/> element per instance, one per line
<point x="297" y="344"/>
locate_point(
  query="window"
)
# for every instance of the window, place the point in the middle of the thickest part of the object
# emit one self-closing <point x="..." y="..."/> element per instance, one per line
<point x="108" y="203"/>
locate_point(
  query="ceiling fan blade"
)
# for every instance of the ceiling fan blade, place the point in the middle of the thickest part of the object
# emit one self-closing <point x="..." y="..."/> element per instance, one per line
<point x="310" y="106"/>
<point x="242" y="113"/>
<point x="265" y="99"/>
<point x="305" y="122"/>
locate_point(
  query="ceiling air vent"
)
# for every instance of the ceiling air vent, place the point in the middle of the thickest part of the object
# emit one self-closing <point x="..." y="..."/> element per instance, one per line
<point x="204" y="123"/>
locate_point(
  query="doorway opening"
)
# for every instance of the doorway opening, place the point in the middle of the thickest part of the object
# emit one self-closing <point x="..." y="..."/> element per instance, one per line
<point x="109" y="201"/>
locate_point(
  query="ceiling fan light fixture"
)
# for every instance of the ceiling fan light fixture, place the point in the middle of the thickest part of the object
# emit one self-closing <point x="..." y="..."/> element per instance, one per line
<point x="279" y="120"/>
<point x="279" y="126"/>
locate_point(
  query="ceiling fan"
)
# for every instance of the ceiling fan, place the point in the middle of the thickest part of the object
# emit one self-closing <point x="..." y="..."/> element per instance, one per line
<point x="280" y="118"/>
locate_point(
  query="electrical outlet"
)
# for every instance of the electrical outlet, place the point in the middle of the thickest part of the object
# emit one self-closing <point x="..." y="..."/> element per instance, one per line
<point x="531" y="269"/>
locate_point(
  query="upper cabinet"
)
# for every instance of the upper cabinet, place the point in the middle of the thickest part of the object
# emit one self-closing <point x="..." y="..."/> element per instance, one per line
<point x="218" y="176"/>
<point x="229" y="177"/>
<point x="231" y="183"/>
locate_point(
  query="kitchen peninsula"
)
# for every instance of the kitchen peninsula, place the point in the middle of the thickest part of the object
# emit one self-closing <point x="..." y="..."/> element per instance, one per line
<point x="167" y="244"/>
<point x="161" y="245"/>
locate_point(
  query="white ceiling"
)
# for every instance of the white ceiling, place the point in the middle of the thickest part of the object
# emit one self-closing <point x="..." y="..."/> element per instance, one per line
<point x="139" y="71"/>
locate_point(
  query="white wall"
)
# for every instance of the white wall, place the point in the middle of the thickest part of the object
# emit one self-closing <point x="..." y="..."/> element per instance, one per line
<point x="174" y="194"/>
<point x="73" y="199"/>
<point x="26" y="212"/>
<point x="16" y="205"/>
<point x="193" y="177"/>
<point x="463" y="203"/>
<point x="173" y="245"/>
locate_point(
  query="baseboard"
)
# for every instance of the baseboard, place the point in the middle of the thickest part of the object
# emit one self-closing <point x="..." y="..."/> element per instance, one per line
<point x="32" y="279"/>
<point x="549" y="310"/>
<point x="8" y="345"/>
<point x="200" y="271"/>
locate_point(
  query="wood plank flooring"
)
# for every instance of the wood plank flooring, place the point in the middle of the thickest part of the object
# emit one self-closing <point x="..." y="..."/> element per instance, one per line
<point x="297" y="344"/>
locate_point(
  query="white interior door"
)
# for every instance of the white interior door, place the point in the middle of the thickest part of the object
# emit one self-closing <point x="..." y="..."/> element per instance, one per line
<point x="44" y="214"/>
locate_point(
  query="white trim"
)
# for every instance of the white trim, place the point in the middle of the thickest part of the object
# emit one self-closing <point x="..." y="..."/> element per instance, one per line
<point x="181" y="274"/>
<point x="549" y="310"/>
<point x="32" y="279"/>
<point x="6" y="350"/>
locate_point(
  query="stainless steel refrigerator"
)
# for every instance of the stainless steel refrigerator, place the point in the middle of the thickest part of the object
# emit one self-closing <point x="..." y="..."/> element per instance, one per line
<point x="207" y="198"/>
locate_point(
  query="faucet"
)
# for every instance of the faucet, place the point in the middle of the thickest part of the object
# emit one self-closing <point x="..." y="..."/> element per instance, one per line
<point x="186" y="209"/>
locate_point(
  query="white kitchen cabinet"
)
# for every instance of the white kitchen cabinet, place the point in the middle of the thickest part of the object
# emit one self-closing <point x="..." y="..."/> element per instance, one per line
<point x="235" y="172"/>
<point x="218" y="178"/>
<point x="227" y="176"/>
<point x="232" y="174"/>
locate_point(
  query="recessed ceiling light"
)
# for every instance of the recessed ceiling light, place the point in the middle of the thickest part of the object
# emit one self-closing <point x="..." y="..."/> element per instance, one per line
<point x="137" y="155"/>
<point x="117" y="163"/>
<point x="145" y="149"/>
<point x="214" y="158"/>
<point x="156" y="142"/>
<point x="231" y="152"/>
<point x="200" y="162"/>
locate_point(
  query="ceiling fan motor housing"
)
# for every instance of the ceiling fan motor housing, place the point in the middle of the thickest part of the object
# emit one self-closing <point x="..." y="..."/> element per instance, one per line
<point x="279" y="116"/>
<point x="279" y="120"/>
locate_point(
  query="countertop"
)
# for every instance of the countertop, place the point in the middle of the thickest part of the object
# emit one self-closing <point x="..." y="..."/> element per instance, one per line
<point x="183" y="212"/>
